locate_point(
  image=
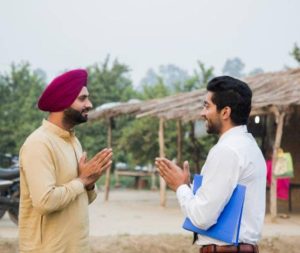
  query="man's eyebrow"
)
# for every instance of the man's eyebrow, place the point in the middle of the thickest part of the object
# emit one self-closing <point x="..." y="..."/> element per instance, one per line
<point x="84" y="95"/>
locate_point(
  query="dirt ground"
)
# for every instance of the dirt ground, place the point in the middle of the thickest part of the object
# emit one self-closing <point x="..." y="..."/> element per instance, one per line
<point x="133" y="221"/>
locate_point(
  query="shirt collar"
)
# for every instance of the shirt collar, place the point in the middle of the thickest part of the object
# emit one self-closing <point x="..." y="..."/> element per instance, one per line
<point x="233" y="131"/>
<point x="57" y="130"/>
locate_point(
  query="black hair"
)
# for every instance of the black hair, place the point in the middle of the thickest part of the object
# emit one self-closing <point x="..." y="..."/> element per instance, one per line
<point x="234" y="93"/>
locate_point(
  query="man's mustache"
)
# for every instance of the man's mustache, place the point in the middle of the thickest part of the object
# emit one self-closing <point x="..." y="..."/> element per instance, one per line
<point x="86" y="110"/>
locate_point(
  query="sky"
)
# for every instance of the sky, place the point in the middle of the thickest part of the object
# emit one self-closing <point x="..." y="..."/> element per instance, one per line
<point x="55" y="35"/>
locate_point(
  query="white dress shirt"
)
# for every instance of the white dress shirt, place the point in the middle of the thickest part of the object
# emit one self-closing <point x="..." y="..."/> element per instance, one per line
<point x="235" y="159"/>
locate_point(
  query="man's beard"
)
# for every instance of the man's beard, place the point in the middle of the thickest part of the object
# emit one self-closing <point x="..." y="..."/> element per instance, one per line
<point x="213" y="127"/>
<point x="74" y="117"/>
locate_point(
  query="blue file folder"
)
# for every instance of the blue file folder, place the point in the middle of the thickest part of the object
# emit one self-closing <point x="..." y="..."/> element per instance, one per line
<point x="228" y="224"/>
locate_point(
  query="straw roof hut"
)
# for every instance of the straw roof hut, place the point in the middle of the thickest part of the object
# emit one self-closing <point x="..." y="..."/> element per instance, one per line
<point x="275" y="93"/>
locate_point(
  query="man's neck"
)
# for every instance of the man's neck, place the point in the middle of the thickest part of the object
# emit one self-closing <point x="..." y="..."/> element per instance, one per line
<point x="56" y="118"/>
<point x="225" y="128"/>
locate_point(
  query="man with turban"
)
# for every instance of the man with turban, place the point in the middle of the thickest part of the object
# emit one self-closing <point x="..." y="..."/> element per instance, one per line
<point x="56" y="178"/>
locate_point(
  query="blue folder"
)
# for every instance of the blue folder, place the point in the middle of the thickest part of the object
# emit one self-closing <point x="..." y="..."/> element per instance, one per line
<point x="228" y="224"/>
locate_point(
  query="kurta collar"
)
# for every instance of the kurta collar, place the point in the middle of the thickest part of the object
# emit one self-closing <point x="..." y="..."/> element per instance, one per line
<point x="57" y="130"/>
<point x="233" y="131"/>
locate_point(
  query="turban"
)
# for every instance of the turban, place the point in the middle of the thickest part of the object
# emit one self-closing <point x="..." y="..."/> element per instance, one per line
<point x="63" y="91"/>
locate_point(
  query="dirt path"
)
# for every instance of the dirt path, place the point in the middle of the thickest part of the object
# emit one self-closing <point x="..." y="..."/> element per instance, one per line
<point x="133" y="221"/>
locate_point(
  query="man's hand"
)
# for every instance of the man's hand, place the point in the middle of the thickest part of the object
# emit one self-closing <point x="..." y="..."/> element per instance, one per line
<point x="90" y="171"/>
<point x="172" y="174"/>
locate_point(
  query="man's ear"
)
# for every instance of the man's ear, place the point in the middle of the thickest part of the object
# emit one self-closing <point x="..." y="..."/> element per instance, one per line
<point x="226" y="112"/>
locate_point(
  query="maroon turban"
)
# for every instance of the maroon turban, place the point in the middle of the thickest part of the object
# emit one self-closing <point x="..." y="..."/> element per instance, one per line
<point x="63" y="91"/>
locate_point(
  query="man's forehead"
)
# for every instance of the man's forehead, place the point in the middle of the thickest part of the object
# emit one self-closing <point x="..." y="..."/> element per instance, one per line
<point x="84" y="92"/>
<point x="208" y="97"/>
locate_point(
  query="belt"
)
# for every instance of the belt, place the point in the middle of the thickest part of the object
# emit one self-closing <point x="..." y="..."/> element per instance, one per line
<point x="241" y="248"/>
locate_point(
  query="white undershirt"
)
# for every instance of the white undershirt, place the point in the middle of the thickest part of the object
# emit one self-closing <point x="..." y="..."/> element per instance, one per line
<point x="235" y="159"/>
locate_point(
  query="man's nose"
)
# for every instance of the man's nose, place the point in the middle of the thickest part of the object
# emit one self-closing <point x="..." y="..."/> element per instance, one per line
<point x="202" y="113"/>
<point x="89" y="104"/>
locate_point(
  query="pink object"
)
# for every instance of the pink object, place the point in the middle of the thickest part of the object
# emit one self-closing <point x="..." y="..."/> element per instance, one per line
<point x="283" y="184"/>
<point x="63" y="90"/>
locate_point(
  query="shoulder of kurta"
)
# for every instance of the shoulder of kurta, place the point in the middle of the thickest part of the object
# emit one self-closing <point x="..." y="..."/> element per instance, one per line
<point x="39" y="136"/>
<point x="36" y="140"/>
<point x="77" y="142"/>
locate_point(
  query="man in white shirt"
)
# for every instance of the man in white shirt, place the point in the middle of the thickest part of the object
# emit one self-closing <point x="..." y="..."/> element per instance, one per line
<point x="235" y="159"/>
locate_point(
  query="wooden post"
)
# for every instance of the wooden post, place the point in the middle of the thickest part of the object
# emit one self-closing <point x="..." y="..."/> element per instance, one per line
<point x="162" y="183"/>
<point x="279" y="117"/>
<point x="109" y="144"/>
<point x="179" y="142"/>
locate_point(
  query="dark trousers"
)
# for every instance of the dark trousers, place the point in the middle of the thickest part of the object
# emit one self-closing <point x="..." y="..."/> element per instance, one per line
<point x="241" y="248"/>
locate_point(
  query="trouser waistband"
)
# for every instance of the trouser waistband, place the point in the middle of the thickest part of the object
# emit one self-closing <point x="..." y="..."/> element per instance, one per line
<point x="241" y="248"/>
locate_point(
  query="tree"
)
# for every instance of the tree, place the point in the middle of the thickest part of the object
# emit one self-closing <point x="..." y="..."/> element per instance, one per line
<point x="150" y="78"/>
<point x="19" y="92"/>
<point x="174" y="77"/>
<point x="194" y="148"/>
<point x="234" y="67"/>
<point x="108" y="82"/>
<point x="157" y="90"/>
<point x="134" y="141"/>
<point x="256" y="71"/>
<point x="296" y="53"/>
<point x="140" y="138"/>
<point x="200" y="78"/>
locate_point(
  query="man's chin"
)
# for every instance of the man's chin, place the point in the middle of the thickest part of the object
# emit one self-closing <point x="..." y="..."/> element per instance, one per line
<point x="210" y="130"/>
<point x="84" y="119"/>
<point x="85" y="116"/>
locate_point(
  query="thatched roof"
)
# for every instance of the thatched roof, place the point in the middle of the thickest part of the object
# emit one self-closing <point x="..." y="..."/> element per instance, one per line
<point x="269" y="89"/>
<point x="115" y="109"/>
<point x="185" y="106"/>
<point x="275" y="88"/>
<point x="171" y="107"/>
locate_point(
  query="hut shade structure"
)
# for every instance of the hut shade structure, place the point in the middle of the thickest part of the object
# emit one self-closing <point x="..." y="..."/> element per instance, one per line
<point x="273" y="93"/>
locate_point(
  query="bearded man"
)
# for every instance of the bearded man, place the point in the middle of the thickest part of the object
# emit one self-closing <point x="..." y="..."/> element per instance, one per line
<point x="235" y="159"/>
<point x="57" y="180"/>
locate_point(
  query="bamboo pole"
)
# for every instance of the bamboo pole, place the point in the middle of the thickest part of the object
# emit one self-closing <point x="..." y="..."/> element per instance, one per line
<point x="162" y="183"/>
<point x="279" y="117"/>
<point x="109" y="144"/>
<point x="179" y="141"/>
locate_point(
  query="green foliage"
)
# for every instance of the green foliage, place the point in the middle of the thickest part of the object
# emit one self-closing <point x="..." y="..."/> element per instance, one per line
<point x="140" y="137"/>
<point x="234" y="67"/>
<point x="200" y="78"/>
<point x="296" y="53"/>
<point x="107" y="83"/>
<point x="141" y="140"/>
<point x="157" y="90"/>
<point x="135" y="141"/>
<point x="19" y="91"/>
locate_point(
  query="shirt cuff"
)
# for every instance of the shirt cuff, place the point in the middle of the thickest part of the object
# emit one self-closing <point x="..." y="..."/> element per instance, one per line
<point x="77" y="186"/>
<point x="91" y="195"/>
<point x="183" y="191"/>
<point x="90" y="188"/>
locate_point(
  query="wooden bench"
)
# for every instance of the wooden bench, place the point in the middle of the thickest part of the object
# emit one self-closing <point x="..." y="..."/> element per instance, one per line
<point x="138" y="175"/>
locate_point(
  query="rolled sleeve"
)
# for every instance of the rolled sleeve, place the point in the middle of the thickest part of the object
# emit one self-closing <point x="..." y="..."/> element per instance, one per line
<point x="220" y="177"/>
<point x="92" y="195"/>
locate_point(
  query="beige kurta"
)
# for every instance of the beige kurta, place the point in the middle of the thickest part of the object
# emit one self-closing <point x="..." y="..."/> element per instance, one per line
<point x="54" y="203"/>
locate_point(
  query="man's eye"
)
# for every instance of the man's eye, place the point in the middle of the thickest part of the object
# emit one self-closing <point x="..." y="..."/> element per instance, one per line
<point x="82" y="98"/>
